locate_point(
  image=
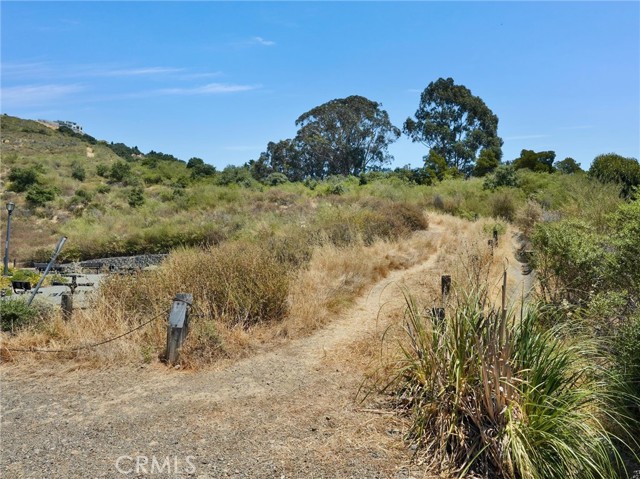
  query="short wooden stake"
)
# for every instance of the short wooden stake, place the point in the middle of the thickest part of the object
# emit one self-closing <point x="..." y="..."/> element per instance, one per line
<point x="504" y="295"/>
<point x="178" y="326"/>
<point x="67" y="306"/>
<point x="438" y="314"/>
<point x="446" y="287"/>
<point x="495" y="236"/>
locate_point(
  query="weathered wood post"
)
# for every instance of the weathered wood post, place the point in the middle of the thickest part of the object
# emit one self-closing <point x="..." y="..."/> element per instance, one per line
<point x="178" y="326"/>
<point x="67" y="305"/>
<point x="495" y="236"/>
<point x="504" y="294"/>
<point x="446" y="286"/>
<point x="490" y="243"/>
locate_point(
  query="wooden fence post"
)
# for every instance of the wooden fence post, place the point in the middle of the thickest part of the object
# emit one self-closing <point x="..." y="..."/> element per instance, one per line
<point x="495" y="236"/>
<point x="178" y="326"/>
<point x="67" y="305"/>
<point x="446" y="286"/>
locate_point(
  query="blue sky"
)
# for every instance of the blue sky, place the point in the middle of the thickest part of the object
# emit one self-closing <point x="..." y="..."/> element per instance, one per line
<point x="219" y="80"/>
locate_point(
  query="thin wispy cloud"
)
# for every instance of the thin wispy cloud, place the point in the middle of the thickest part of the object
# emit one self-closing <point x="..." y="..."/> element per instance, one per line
<point x="31" y="70"/>
<point x="262" y="41"/>
<point x="196" y="76"/>
<point x="525" y="137"/>
<point x="138" y="71"/>
<point x="577" y="127"/>
<point x="31" y="95"/>
<point x="25" y="69"/>
<point x="242" y="148"/>
<point x="209" y="89"/>
<point x="253" y="41"/>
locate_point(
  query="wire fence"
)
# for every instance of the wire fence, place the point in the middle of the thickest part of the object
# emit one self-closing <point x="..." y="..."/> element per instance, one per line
<point x="94" y="345"/>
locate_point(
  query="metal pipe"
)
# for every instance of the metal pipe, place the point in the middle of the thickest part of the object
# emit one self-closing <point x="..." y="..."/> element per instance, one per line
<point x="49" y="266"/>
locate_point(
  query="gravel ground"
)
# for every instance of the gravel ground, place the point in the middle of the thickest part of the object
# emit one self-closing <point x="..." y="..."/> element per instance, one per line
<point x="285" y="412"/>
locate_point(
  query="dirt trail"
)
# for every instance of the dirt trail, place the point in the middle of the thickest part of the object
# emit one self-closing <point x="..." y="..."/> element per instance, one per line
<point x="287" y="412"/>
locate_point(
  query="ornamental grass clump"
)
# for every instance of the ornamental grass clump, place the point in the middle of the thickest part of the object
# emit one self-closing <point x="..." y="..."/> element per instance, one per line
<point x="492" y="394"/>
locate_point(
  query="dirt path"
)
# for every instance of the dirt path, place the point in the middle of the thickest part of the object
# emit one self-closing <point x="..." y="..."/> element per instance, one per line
<point x="289" y="412"/>
<point x="286" y="412"/>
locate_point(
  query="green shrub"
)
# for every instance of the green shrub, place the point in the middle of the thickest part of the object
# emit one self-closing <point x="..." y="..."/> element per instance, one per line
<point x="15" y="314"/>
<point x="618" y="169"/>
<point x="39" y="195"/>
<point x="570" y="260"/>
<point x="102" y="170"/>
<point x="119" y="171"/>
<point x="103" y="189"/>
<point x="275" y="179"/>
<point x="78" y="172"/>
<point x="135" y="198"/>
<point x="26" y="275"/>
<point x="22" y="178"/>
<point x="626" y="351"/>
<point x="504" y="175"/>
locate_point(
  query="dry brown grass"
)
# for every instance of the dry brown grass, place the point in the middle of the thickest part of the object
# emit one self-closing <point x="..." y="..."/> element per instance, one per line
<point x="245" y="295"/>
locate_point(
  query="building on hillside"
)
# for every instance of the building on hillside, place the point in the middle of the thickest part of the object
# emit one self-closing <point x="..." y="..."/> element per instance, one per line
<point x="73" y="126"/>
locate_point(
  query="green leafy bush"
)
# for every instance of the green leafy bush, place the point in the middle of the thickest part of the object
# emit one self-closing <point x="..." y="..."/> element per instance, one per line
<point x="618" y="169"/>
<point x="15" y="314"/>
<point x="39" y="195"/>
<point x="102" y="170"/>
<point x="78" y="172"/>
<point x="135" y="197"/>
<point x="22" y="178"/>
<point x="571" y="261"/>
<point x="504" y="175"/>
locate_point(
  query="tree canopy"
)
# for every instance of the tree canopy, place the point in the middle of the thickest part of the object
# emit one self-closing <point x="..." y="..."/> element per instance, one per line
<point x="540" y="162"/>
<point x="346" y="136"/>
<point x="611" y="167"/>
<point x="455" y="124"/>
<point x="568" y="166"/>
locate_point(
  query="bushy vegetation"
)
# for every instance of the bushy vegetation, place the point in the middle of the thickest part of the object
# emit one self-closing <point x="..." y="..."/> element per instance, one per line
<point x="505" y="396"/>
<point x="15" y="314"/>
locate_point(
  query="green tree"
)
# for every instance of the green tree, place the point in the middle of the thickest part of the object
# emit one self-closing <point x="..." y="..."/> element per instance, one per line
<point x="540" y="162"/>
<point x="437" y="168"/>
<point x="282" y="157"/>
<point x="119" y="171"/>
<point x="22" y="178"/>
<point x="503" y="175"/>
<point x="568" y="166"/>
<point x="455" y="124"/>
<point x="238" y="175"/>
<point x="194" y="162"/>
<point x="345" y="136"/>
<point x="486" y="163"/>
<point x="611" y="167"/>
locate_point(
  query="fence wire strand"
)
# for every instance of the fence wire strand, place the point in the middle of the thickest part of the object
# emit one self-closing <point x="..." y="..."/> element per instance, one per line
<point x="93" y="345"/>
